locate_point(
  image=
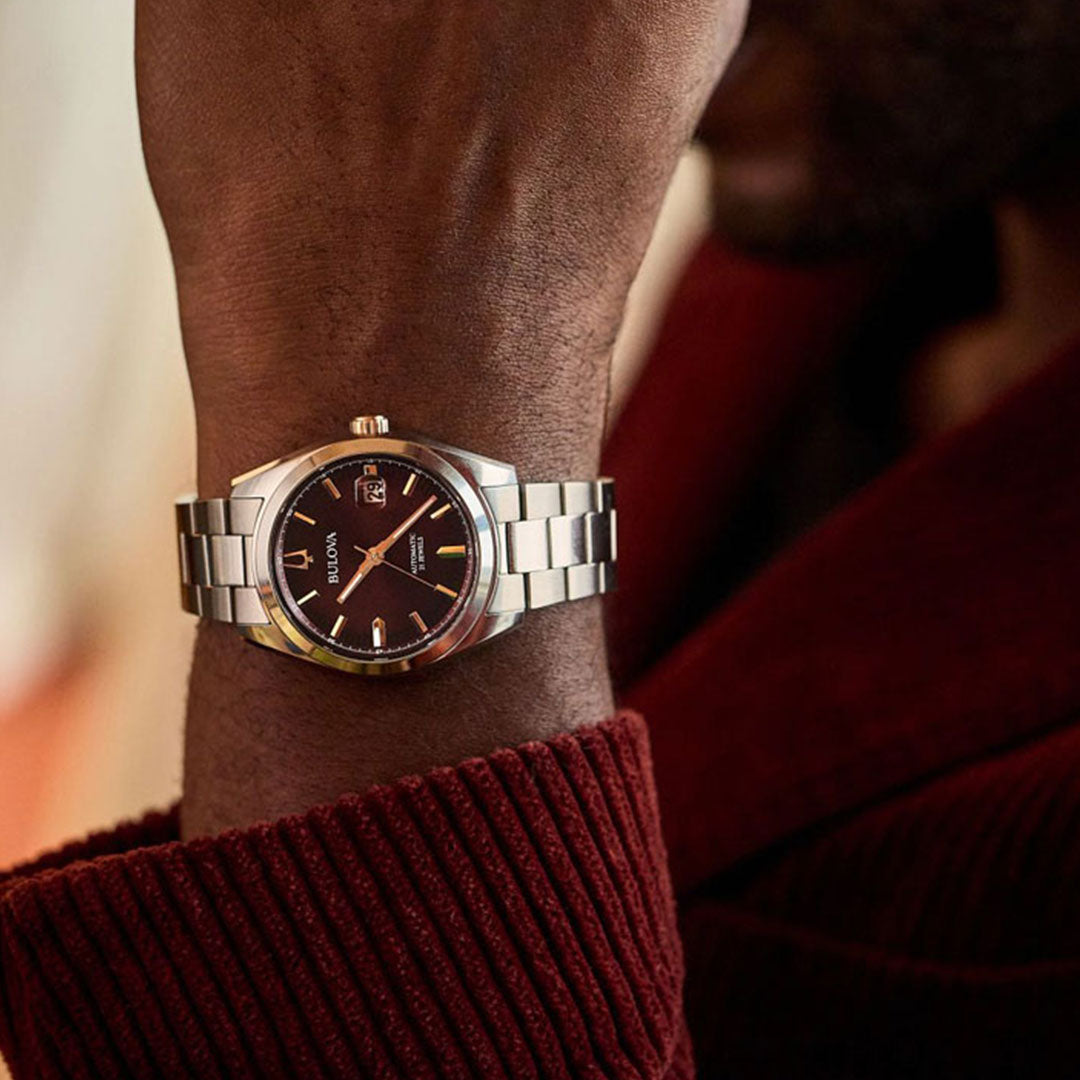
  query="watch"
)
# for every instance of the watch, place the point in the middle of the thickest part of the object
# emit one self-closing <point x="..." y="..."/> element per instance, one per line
<point x="384" y="552"/>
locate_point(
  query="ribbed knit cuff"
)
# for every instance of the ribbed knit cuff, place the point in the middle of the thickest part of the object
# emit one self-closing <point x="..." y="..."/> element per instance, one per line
<point x="510" y="917"/>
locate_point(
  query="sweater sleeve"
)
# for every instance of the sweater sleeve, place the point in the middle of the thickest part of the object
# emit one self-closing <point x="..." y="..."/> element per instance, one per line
<point x="509" y="917"/>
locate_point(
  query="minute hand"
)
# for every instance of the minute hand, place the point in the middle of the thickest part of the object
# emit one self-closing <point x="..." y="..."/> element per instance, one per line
<point x="384" y="546"/>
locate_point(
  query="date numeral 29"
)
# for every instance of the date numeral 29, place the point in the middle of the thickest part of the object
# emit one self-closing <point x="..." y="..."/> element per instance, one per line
<point x="371" y="491"/>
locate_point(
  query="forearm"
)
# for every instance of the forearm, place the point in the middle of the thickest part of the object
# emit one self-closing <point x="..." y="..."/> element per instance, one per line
<point x="267" y="736"/>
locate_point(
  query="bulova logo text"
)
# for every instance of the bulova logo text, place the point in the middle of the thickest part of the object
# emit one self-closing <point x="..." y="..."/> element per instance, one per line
<point x="331" y="559"/>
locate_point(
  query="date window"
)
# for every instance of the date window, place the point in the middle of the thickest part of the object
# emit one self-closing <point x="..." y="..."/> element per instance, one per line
<point x="371" y="488"/>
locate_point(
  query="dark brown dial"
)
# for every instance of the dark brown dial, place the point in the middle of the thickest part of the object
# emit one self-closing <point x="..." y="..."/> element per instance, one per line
<point x="374" y="557"/>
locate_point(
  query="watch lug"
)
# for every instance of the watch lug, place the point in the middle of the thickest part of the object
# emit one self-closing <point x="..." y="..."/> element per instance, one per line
<point x="492" y="626"/>
<point x="261" y="482"/>
<point x="485" y="471"/>
<point x="269" y="637"/>
<point x="259" y="640"/>
<point x="238" y="481"/>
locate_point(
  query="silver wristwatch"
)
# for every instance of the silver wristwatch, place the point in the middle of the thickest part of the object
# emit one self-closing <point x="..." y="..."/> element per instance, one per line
<point x="380" y="553"/>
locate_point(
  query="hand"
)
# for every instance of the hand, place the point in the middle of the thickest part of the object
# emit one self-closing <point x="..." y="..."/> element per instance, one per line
<point x="399" y="203"/>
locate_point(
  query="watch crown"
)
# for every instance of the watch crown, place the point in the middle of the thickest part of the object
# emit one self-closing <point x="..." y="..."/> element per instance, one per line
<point x="369" y="425"/>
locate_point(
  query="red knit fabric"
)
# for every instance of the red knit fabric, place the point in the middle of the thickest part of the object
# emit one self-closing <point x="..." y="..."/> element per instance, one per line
<point x="740" y="340"/>
<point x="868" y="762"/>
<point x="869" y="770"/>
<point x="507" y="918"/>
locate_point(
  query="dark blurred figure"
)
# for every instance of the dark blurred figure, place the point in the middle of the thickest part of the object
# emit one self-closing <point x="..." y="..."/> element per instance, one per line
<point x="929" y="130"/>
<point x="942" y="138"/>
<point x="897" y="243"/>
<point x="866" y="747"/>
<point x="847" y="123"/>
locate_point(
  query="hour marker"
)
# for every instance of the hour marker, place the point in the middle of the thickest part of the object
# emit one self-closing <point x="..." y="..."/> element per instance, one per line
<point x="303" y="517"/>
<point x="371" y="470"/>
<point x="301" y="560"/>
<point x="445" y="591"/>
<point x="409" y="484"/>
<point x="304" y="599"/>
<point x="439" y="513"/>
<point x="378" y="632"/>
<point x="331" y="487"/>
<point x="451" y="551"/>
<point x="420" y="624"/>
<point x="339" y="622"/>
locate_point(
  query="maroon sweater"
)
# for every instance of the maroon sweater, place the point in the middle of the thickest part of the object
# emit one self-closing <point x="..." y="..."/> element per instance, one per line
<point x="867" y="763"/>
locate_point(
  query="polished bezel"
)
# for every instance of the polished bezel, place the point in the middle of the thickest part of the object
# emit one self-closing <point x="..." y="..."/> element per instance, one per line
<point x="285" y="478"/>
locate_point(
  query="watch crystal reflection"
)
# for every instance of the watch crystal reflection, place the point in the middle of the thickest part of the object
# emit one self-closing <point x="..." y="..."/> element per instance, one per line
<point x="374" y="557"/>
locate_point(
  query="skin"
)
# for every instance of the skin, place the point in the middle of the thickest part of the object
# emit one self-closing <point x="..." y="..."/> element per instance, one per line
<point x="406" y="208"/>
<point x="962" y="372"/>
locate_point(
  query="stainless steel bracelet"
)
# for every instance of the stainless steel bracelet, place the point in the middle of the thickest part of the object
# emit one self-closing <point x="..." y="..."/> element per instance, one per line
<point x="556" y="542"/>
<point x="217" y="567"/>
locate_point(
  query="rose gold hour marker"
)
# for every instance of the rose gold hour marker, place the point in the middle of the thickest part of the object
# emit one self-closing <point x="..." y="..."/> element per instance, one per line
<point x="409" y="484"/>
<point x="439" y="513"/>
<point x="331" y="487"/>
<point x="339" y="622"/>
<point x="301" y="560"/>
<point x="446" y="592"/>
<point x="303" y="517"/>
<point x="378" y="632"/>
<point x="420" y="624"/>
<point x="310" y="596"/>
<point x="371" y="470"/>
<point x="451" y="551"/>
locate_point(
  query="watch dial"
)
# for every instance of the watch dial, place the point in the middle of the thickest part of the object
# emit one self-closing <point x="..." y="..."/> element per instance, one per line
<point x="374" y="557"/>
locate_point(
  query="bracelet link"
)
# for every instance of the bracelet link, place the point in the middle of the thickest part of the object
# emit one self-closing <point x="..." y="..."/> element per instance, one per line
<point x="217" y="553"/>
<point x="556" y="542"/>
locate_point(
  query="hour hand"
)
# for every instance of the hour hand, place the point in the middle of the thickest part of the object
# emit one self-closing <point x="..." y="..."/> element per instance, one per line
<point x="362" y="571"/>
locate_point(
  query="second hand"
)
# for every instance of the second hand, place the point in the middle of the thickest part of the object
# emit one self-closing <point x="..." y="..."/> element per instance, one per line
<point x="393" y="566"/>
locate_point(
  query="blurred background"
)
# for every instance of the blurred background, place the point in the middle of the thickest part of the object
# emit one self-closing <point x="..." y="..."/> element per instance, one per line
<point x="96" y="435"/>
<point x="96" y="429"/>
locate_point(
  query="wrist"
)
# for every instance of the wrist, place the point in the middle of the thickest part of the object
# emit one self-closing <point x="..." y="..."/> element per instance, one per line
<point x="518" y="387"/>
<point x="316" y="735"/>
<point x="546" y="435"/>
